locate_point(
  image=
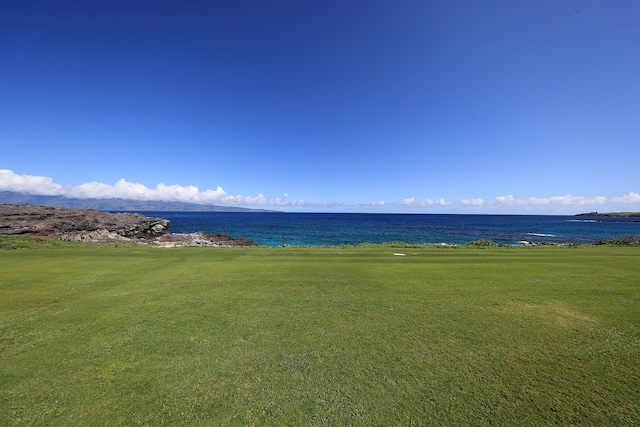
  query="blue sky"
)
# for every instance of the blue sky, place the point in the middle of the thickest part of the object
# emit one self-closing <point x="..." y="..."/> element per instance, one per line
<point x="498" y="106"/>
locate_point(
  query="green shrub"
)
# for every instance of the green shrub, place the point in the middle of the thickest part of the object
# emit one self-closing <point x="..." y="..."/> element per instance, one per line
<point x="481" y="243"/>
<point x="619" y="241"/>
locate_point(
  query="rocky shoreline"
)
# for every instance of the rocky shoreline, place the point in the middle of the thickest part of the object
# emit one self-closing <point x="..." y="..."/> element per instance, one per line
<point x="92" y="226"/>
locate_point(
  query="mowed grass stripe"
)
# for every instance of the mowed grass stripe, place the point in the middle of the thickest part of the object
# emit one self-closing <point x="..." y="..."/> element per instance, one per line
<point x="98" y="335"/>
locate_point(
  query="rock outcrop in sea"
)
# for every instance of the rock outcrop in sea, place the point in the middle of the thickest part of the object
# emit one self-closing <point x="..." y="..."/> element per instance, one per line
<point x="93" y="226"/>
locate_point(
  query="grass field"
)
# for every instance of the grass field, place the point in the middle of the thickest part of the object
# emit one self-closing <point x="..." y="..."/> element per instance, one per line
<point x="98" y="335"/>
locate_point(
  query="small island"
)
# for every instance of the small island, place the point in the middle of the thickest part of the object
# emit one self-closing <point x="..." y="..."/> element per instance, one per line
<point x="612" y="214"/>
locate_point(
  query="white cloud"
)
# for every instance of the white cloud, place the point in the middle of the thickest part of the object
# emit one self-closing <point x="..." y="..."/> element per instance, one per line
<point x="130" y="190"/>
<point x="628" y="198"/>
<point x="29" y="184"/>
<point x="408" y="202"/>
<point x="566" y="200"/>
<point x="472" y="202"/>
<point x="562" y="200"/>
<point x="123" y="189"/>
<point x="42" y="185"/>
<point x="505" y="200"/>
<point x="429" y="202"/>
<point x="293" y="203"/>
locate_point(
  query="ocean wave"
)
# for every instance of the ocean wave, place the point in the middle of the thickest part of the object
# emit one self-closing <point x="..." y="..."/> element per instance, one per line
<point x="541" y="235"/>
<point x="582" y="220"/>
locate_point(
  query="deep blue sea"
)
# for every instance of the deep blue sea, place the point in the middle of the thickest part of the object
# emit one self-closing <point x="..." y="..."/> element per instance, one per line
<point x="317" y="229"/>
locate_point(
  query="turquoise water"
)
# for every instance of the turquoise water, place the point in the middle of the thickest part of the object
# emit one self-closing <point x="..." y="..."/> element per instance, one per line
<point x="313" y="229"/>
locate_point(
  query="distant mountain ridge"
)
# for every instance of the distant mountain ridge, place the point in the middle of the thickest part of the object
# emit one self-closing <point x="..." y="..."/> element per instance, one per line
<point x="11" y="197"/>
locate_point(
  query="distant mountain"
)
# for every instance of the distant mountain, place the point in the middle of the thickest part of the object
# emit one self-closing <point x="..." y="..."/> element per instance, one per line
<point x="116" y="204"/>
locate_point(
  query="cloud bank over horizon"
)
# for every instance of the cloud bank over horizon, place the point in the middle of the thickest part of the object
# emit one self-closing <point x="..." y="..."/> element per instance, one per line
<point x="566" y="200"/>
<point x="123" y="189"/>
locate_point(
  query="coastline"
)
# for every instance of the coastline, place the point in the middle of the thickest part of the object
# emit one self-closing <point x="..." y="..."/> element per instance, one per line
<point x="94" y="226"/>
<point x="310" y="230"/>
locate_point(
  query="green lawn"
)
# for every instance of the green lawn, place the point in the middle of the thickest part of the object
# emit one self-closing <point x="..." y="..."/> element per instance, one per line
<point x="98" y="335"/>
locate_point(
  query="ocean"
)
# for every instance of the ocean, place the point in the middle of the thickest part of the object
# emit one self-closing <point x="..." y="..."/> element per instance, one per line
<point x="324" y="229"/>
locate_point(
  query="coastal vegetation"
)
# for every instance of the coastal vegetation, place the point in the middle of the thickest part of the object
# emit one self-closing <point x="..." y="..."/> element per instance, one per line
<point x="620" y="241"/>
<point x="99" y="334"/>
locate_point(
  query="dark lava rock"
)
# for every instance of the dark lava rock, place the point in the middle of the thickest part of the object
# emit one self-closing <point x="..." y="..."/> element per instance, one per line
<point x="92" y="226"/>
<point x="54" y="222"/>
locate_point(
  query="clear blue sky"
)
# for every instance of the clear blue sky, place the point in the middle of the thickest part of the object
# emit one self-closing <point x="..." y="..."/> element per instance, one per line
<point x="497" y="106"/>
